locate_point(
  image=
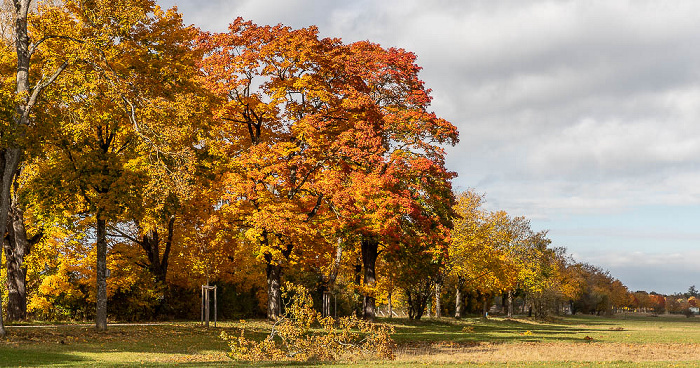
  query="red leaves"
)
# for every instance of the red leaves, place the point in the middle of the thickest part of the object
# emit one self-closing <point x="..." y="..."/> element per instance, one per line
<point x="324" y="137"/>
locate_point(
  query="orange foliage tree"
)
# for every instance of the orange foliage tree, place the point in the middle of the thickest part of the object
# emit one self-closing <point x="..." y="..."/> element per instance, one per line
<point x="311" y="125"/>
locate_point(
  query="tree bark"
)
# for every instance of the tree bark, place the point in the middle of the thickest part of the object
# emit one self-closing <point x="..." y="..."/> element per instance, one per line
<point x="274" y="296"/>
<point x="485" y="306"/>
<point x="510" y="303"/>
<point x="12" y="153"/>
<point x="150" y="243"/>
<point x="101" y="312"/>
<point x="418" y="299"/>
<point x="438" y="303"/>
<point x="10" y="162"/>
<point x="17" y="246"/>
<point x="329" y="282"/>
<point x="391" y="308"/>
<point x="370" y="252"/>
<point x="459" y="299"/>
<point x="274" y="281"/>
<point x="358" y="298"/>
<point x="458" y="302"/>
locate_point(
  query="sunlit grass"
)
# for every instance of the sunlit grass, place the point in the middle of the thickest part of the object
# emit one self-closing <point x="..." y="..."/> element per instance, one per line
<point x="581" y="341"/>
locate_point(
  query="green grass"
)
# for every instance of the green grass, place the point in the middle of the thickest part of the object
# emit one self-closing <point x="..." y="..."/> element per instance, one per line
<point x="188" y="344"/>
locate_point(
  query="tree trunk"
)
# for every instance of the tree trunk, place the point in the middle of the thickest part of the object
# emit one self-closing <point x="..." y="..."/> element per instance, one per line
<point x="418" y="297"/>
<point x="329" y="282"/>
<point x="510" y="303"/>
<point x="12" y="153"/>
<point x="438" y="303"/>
<point x="274" y="279"/>
<point x="9" y="159"/>
<point x="391" y="308"/>
<point x="17" y="246"/>
<point x="358" y="306"/>
<point x="101" y="315"/>
<point x="370" y="252"/>
<point x="485" y="306"/>
<point x="274" y="297"/>
<point x="150" y="242"/>
<point x="458" y="302"/>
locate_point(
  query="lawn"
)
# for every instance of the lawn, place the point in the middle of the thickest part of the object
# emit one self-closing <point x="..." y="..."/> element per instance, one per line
<point x="581" y="341"/>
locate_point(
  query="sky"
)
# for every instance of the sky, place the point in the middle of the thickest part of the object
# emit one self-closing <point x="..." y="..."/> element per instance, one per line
<point x="583" y="116"/>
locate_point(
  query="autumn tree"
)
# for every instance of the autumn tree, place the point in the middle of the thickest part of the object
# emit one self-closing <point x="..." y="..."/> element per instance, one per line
<point x="126" y="101"/>
<point x="30" y="81"/>
<point x="603" y="293"/>
<point x="480" y="253"/>
<point x="305" y="120"/>
<point x="398" y="194"/>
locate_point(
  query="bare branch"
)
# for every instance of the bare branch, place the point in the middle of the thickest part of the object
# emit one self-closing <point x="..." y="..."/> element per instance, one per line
<point x="36" y="91"/>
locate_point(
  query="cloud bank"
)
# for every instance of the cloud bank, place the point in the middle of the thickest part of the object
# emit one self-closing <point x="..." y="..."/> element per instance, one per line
<point x="565" y="108"/>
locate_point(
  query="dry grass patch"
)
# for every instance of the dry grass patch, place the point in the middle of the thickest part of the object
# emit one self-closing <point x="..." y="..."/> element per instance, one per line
<point x="551" y="352"/>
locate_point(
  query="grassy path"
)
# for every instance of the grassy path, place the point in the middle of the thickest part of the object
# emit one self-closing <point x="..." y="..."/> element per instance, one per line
<point x="569" y="342"/>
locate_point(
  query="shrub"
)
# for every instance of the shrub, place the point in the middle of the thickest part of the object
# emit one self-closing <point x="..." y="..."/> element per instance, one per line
<point x="302" y="334"/>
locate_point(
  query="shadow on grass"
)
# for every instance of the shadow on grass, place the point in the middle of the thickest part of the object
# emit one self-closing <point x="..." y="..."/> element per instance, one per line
<point x="474" y="330"/>
<point x="32" y="358"/>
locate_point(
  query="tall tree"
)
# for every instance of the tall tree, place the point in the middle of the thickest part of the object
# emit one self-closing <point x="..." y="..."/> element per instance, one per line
<point x="29" y="85"/>
<point x="398" y="193"/>
<point x="300" y="115"/>
<point x="128" y="99"/>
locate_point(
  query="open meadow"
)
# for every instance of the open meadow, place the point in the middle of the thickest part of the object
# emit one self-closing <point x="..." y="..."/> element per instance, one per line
<point x="580" y="341"/>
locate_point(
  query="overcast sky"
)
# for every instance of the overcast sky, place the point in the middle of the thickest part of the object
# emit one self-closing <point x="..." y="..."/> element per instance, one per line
<point x="580" y="115"/>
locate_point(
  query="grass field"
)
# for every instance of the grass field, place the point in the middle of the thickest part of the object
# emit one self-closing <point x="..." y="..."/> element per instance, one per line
<point x="581" y="341"/>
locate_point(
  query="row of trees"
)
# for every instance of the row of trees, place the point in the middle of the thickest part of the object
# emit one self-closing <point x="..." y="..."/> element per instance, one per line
<point x="170" y="149"/>
<point x="142" y="158"/>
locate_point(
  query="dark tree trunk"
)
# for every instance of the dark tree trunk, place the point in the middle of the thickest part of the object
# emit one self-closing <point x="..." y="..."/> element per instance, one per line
<point x="150" y="242"/>
<point x="358" y="306"/>
<point x="485" y="306"/>
<point x="274" y="297"/>
<point x="9" y="158"/>
<point x="101" y="315"/>
<point x="370" y="252"/>
<point x="469" y="305"/>
<point x="418" y="299"/>
<point x="17" y="246"/>
<point x="510" y="303"/>
<point x="274" y="281"/>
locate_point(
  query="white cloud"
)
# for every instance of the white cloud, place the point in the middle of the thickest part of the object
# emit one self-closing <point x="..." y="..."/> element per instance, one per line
<point x="564" y="107"/>
<point x="666" y="273"/>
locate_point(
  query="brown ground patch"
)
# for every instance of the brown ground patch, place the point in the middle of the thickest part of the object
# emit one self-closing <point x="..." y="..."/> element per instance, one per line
<point x="527" y="352"/>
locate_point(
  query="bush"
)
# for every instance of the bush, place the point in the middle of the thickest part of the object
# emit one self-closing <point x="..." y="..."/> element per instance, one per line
<point x="302" y="334"/>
